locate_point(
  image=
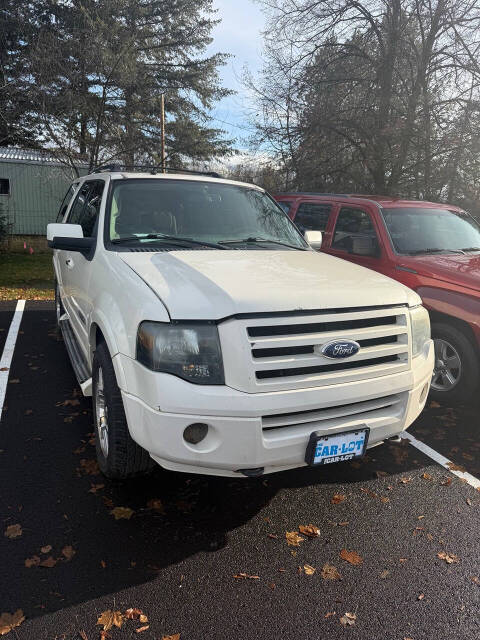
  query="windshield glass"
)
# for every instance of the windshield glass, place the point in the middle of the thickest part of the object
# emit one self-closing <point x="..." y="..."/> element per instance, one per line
<point x="198" y="211"/>
<point x="419" y="230"/>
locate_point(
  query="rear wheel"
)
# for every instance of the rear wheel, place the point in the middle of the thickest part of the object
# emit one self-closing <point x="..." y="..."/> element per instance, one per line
<point x="456" y="375"/>
<point x="118" y="456"/>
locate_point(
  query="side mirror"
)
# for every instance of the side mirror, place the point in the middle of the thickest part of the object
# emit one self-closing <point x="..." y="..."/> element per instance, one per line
<point x="314" y="239"/>
<point x="365" y="246"/>
<point x="68" y="237"/>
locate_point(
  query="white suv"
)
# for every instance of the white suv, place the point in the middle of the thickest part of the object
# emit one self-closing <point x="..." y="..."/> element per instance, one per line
<point x="215" y="340"/>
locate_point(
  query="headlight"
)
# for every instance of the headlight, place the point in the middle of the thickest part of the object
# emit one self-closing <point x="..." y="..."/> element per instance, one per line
<point x="189" y="350"/>
<point x="420" y="323"/>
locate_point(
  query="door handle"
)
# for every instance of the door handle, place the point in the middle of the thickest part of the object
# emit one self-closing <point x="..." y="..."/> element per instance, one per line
<point x="69" y="263"/>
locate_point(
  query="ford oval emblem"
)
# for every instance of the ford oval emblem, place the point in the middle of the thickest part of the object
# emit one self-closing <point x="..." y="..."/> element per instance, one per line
<point x="340" y="349"/>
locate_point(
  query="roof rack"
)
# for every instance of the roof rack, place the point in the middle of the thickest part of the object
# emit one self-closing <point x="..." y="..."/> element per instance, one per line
<point x="314" y="193"/>
<point x="153" y="169"/>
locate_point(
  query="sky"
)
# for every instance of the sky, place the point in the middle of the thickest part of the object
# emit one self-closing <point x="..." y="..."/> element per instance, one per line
<point x="239" y="34"/>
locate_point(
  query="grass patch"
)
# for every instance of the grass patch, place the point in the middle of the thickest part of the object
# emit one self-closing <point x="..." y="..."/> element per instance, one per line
<point x="26" y="277"/>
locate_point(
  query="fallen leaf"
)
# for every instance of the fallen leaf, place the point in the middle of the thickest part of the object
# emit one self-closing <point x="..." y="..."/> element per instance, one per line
<point x="434" y="405"/>
<point x="446" y="482"/>
<point x="455" y="467"/>
<point x="156" y="504"/>
<point x="34" y="561"/>
<point x="122" y="513"/>
<point x="103" y="564"/>
<point x="245" y="576"/>
<point x="14" y="381"/>
<point x="83" y="635"/>
<point x="9" y="621"/>
<point x="309" y="530"/>
<point x="13" y="531"/>
<point x="421" y="596"/>
<point x="293" y="539"/>
<point x="329" y="614"/>
<point x="272" y="585"/>
<point x="68" y="552"/>
<point x="475" y="579"/>
<point x="427" y="476"/>
<point x="404" y="480"/>
<point x="3" y="368"/>
<point x="140" y="629"/>
<point x="89" y="467"/>
<point x="273" y="536"/>
<point x="337" y="498"/>
<point x="95" y="487"/>
<point x="49" y="563"/>
<point x="329" y="572"/>
<point x="175" y="636"/>
<point x="309" y="570"/>
<point x="348" y="620"/>
<point x="104" y="635"/>
<point x="46" y="549"/>
<point x="351" y="556"/>
<point x="385" y="573"/>
<point x="135" y="614"/>
<point x="110" y="618"/>
<point x="449" y="558"/>
<point x="468" y="501"/>
<point x="68" y="403"/>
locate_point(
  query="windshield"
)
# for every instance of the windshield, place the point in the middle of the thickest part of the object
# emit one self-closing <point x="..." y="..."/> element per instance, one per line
<point x="419" y="230"/>
<point x="183" y="211"/>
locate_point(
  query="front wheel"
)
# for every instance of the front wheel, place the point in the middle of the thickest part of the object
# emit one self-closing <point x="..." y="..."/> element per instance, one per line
<point x="456" y="375"/>
<point x="118" y="456"/>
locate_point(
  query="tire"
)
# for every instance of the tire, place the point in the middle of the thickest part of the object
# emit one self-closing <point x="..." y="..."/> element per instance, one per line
<point x="118" y="456"/>
<point x="454" y="347"/>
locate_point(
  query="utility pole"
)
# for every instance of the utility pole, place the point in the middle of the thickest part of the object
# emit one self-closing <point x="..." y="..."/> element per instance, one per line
<point x="162" y="116"/>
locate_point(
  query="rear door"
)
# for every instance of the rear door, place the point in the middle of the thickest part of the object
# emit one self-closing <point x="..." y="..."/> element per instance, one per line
<point x="313" y="216"/>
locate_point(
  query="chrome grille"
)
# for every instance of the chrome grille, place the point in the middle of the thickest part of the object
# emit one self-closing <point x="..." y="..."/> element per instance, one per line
<point x="284" y="352"/>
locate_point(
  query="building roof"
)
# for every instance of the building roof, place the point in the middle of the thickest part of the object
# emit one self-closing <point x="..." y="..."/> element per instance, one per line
<point x="31" y="156"/>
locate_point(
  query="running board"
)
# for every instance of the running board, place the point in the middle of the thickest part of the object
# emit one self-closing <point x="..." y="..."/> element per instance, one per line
<point x="78" y="360"/>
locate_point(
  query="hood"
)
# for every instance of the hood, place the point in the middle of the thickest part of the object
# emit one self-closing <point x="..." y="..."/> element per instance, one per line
<point x="458" y="269"/>
<point x="213" y="284"/>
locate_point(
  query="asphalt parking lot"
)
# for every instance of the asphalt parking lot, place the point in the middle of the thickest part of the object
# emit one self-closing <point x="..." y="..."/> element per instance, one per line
<point x="412" y="524"/>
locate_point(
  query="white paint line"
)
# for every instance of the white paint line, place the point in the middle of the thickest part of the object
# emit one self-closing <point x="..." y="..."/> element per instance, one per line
<point x="444" y="462"/>
<point x="8" y="350"/>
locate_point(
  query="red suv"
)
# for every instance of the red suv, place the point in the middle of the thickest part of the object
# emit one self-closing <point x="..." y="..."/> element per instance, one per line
<point x="432" y="248"/>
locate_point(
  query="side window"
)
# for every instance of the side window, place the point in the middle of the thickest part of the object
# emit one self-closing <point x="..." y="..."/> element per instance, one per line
<point x="89" y="214"/>
<point x="312" y="216"/>
<point x="65" y="202"/>
<point x="78" y="205"/>
<point x="355" y="233"/>
<point x="4" y="187"/>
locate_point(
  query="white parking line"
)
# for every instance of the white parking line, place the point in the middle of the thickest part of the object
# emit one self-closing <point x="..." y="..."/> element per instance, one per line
<point x="8" y="350"/>
<point x="444" y="462"/>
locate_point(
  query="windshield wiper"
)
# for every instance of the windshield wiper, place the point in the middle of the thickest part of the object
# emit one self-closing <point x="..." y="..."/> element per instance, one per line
<point x="420" y="251"/>
<point x="253" y="240"/>
<point x="171" y="239"/>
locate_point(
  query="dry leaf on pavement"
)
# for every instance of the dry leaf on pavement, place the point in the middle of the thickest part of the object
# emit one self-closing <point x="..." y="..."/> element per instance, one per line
<point x="446" y="482"/>
<point x="449" y="558"/>
<point x="309" y="570"/>
<point x="156" y="504"/>
<point x="245" y="576"/>
<point x="46" y="549"/>
<point x="175" y="636"/>
<point x="337" y="498"/>
<point x="455" y="467"/>
<point x="49" y="562"/>
<point x="89" y="467"/>
<point x="110" y="618"/>
<point x="293" y="538"/>
<point x="351" y="556"/>
<point x="95" y="487"/>
<point x="13" y="531"/>
<point x="136" y="614"/>
<point x="83" y="635"/>
<point x="348" y="620"/>
<point x="309" y="530"/>
<point x="427" y="476"/>
<point x="122" y="513"/>
<point x="329" y="572"/>
<point x="34" y="561"/>
<point x="140" y="629"/>
<point x="9" y="621"/>
<point x="68" y="552"/>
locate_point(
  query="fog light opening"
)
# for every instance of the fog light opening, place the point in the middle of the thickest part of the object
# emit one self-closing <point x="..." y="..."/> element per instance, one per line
<point x="423" y="395"/>
<point x="195" y="432"/>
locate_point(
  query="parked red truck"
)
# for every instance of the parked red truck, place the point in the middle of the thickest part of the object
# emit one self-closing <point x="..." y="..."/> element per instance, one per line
<point x="432" y="248"/>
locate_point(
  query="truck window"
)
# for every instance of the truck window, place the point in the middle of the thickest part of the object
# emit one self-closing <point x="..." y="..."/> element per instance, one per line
<point x="77" y="206"/>
<point x="66" y="201"/>
<point x="88" y="216"/>
<point x="312" y="216"/>
<point x="286" y="205"/>
<point x="355" y="233"/>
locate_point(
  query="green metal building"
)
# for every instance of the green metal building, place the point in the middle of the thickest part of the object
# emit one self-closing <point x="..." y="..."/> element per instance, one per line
<point x="32" y="187"/>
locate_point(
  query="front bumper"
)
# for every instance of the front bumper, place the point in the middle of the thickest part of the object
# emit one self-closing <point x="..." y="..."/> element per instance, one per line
<point x="159" y="407"/>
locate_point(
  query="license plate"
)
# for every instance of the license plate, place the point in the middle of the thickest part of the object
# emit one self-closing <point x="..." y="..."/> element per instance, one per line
<point x="336" y="447"/>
